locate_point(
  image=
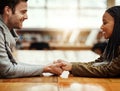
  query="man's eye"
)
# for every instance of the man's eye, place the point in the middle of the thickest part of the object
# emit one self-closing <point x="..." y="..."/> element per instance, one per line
<point x="23" y="12"/>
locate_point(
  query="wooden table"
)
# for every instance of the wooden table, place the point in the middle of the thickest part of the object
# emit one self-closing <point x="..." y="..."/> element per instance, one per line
<point x="56" y="83"/>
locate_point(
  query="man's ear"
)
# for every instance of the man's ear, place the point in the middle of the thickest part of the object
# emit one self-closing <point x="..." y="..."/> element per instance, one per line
<point x="7" y="10"/>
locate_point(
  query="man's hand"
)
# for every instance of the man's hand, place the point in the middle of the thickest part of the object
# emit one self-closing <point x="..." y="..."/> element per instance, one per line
<point x="67" y="66"/>
<point x="54" y="68"/>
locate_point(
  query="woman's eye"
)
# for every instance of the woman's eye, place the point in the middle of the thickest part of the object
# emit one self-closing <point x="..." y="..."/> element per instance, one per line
<point x="104" y="23"/>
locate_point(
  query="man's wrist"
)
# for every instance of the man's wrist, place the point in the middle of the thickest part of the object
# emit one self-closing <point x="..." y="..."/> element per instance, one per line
<point x="46" y="69"/>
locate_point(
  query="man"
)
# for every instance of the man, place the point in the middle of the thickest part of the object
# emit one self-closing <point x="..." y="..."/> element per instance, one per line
<point x="12" y="15"/>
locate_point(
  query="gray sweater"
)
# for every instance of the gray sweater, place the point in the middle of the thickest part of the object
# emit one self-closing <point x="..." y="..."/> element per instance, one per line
<point x="9" y="69"/>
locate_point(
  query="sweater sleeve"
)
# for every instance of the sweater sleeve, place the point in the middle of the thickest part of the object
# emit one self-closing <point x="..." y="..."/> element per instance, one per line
<point x="10" y="70"/>
<point x="21" y="70"/>
<point x="112" y="69"/>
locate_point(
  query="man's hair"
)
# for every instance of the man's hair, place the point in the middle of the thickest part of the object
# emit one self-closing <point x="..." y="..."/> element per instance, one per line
<point x="10" y="3"/>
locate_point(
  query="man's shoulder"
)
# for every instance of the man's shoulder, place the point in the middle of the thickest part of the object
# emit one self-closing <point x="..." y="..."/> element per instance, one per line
<point x="1" y="25"/>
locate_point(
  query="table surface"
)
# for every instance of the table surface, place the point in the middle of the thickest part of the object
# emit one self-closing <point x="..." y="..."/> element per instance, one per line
<point x="58" y="83"/>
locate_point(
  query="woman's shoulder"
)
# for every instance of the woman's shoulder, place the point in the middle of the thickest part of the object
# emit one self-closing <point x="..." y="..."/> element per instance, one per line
<point x="119" y="50"/>
<point x="119" y="46"/>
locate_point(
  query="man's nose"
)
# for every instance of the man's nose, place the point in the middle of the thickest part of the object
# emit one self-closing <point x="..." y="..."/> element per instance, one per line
<point x="25" y="16"/>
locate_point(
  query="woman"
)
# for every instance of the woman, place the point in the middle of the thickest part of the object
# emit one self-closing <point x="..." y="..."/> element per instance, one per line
<point x="108" y="65"/>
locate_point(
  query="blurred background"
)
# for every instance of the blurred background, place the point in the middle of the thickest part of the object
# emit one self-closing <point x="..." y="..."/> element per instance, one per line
<point x="63" y="24"/>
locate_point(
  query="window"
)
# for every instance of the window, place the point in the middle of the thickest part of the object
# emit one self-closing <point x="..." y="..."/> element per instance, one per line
<point x="65" y="13"/>
<point x="117" y="2"/>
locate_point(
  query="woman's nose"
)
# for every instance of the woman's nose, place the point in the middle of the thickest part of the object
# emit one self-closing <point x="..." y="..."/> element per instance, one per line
<point x="101" y="27"/>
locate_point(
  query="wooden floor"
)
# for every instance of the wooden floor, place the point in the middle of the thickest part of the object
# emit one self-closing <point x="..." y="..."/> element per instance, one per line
<point x="58" y="83"/>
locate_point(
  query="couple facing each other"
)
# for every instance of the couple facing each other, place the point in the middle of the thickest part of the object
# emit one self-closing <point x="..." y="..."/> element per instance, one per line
<point x="12" y="15"/>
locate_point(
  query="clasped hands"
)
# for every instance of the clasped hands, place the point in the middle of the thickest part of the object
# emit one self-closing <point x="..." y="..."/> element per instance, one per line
<point x="57" y="67"/>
